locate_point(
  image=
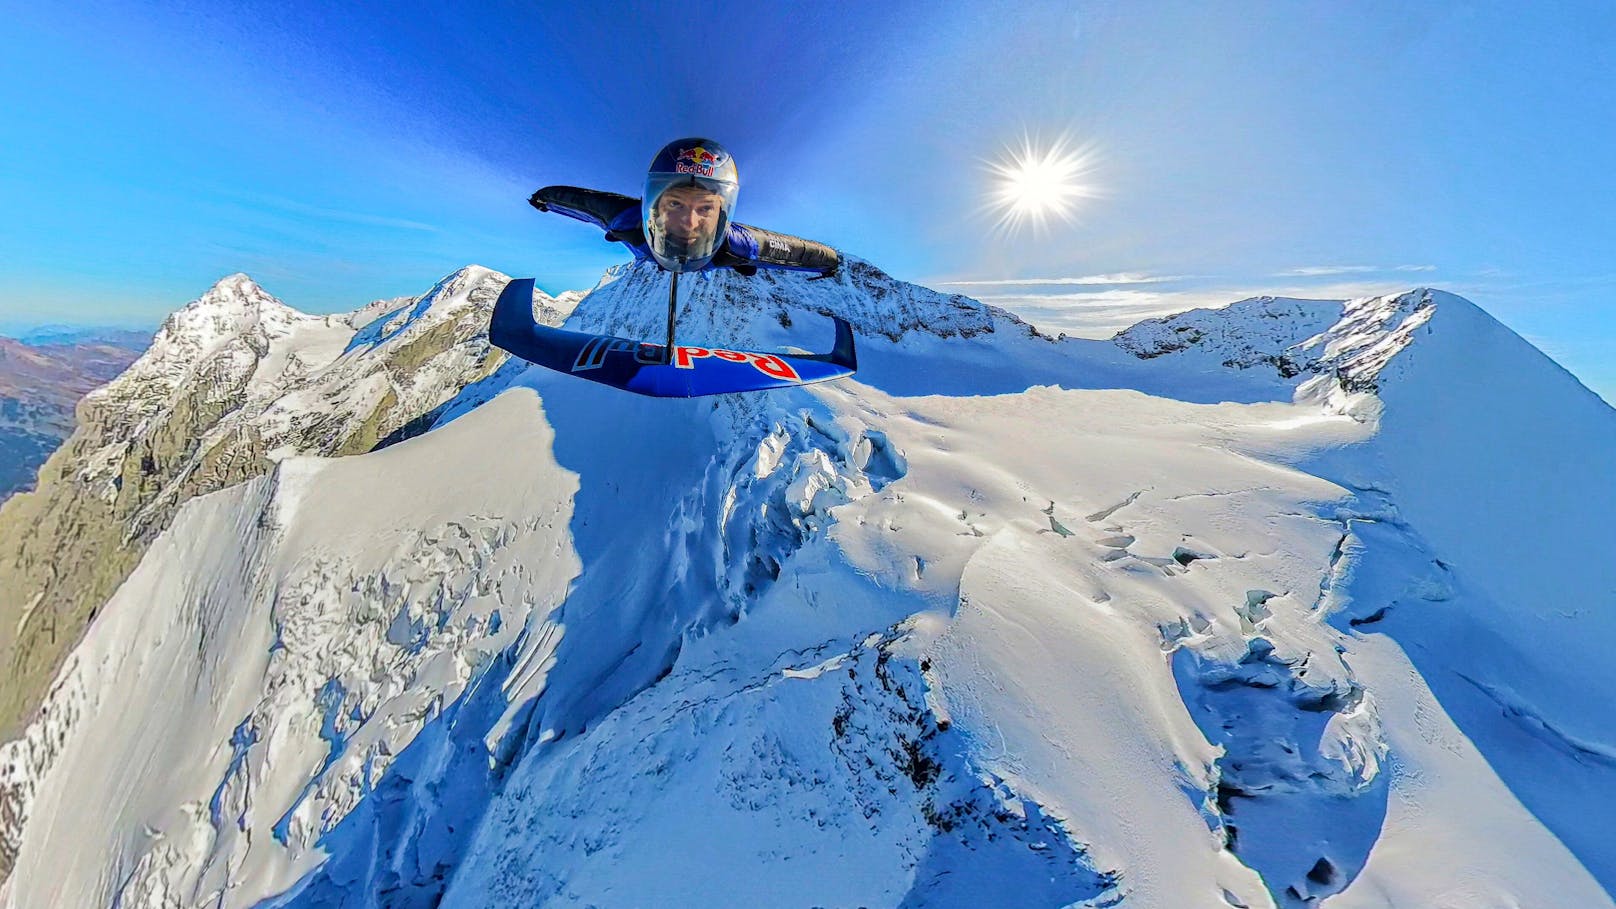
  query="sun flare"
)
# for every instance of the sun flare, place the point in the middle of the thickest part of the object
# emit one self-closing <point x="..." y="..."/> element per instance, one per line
<point x="1034" y="184"/>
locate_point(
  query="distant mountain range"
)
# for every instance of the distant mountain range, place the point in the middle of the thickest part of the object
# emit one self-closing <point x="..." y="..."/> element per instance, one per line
<point x="43" y="374"/>
<point x="56" y="335"/>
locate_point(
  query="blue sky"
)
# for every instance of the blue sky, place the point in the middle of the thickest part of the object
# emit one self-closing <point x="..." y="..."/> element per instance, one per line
<point x="341" y="155"/>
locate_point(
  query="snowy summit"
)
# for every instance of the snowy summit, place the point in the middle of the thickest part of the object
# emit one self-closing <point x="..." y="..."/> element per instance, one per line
<point x="1290" y="603"/>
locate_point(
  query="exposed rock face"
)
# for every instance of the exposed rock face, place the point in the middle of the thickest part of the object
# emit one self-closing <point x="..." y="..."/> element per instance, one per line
<point x="40" y="383"/>
<point x="755" y="310"/>
<point x="1352" y="341"/>
<point x="232" y="383"/>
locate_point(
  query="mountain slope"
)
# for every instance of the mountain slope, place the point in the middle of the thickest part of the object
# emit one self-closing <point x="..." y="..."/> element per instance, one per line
<point x="1005" y="619"/>
<point x="233" y="382"/>
<point x="1479" y="436"/>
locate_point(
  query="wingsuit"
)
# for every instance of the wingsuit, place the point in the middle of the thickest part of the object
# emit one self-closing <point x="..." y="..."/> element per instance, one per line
<point x="705" y="166"/>
<point x="684" y="224"/>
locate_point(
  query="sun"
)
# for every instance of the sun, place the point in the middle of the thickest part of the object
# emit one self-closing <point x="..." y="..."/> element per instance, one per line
<point x="1034" y="183"/>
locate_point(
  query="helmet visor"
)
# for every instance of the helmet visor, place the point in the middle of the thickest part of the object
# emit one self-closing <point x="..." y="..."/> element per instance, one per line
<point x="686" y="217"/>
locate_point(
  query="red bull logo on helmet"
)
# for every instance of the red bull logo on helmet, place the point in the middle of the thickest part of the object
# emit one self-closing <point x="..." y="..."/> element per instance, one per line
<point x="696" y="160"/>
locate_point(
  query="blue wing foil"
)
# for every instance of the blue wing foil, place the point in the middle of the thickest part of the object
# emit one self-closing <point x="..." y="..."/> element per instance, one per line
<point x="639" y="366"/>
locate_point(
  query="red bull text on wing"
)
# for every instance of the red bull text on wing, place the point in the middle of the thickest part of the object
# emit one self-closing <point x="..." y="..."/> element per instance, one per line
<point x="593" y="356"/>
<point x="768" y="364"/>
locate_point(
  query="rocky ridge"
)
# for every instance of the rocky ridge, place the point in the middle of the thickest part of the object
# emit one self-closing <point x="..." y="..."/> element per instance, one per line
<point x="232" y="383"/>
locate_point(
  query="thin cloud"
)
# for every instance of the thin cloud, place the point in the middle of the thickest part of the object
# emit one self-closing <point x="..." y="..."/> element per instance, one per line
<point x="1549" y="346"/>
<point x="1100" y="314"/>
<point x="324" y="213"/>
<point x="1119" y="278"/>
<point x="1326" y="271"/>
<point x="354" y="217"/>
<point x="1320" y="271"/>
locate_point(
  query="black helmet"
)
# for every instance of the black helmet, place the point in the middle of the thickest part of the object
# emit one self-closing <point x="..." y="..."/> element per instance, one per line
<point x="689" y="196"/>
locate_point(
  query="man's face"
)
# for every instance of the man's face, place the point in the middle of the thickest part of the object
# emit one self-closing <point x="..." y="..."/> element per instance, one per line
<point x="689" y="214"/>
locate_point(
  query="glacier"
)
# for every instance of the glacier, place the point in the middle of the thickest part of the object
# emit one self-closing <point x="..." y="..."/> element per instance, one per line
<point x="1289" y="603"/>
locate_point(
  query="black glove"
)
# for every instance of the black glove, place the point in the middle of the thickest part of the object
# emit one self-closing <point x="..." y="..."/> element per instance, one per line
<point x="726" y="259"/>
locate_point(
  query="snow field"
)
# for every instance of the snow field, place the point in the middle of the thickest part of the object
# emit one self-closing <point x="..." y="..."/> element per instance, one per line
<point x="1183" y="620"/>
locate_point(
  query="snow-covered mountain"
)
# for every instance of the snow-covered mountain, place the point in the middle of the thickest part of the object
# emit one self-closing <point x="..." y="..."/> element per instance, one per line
<point x="1290" y="603"/>
<point x="233" y="382"/>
